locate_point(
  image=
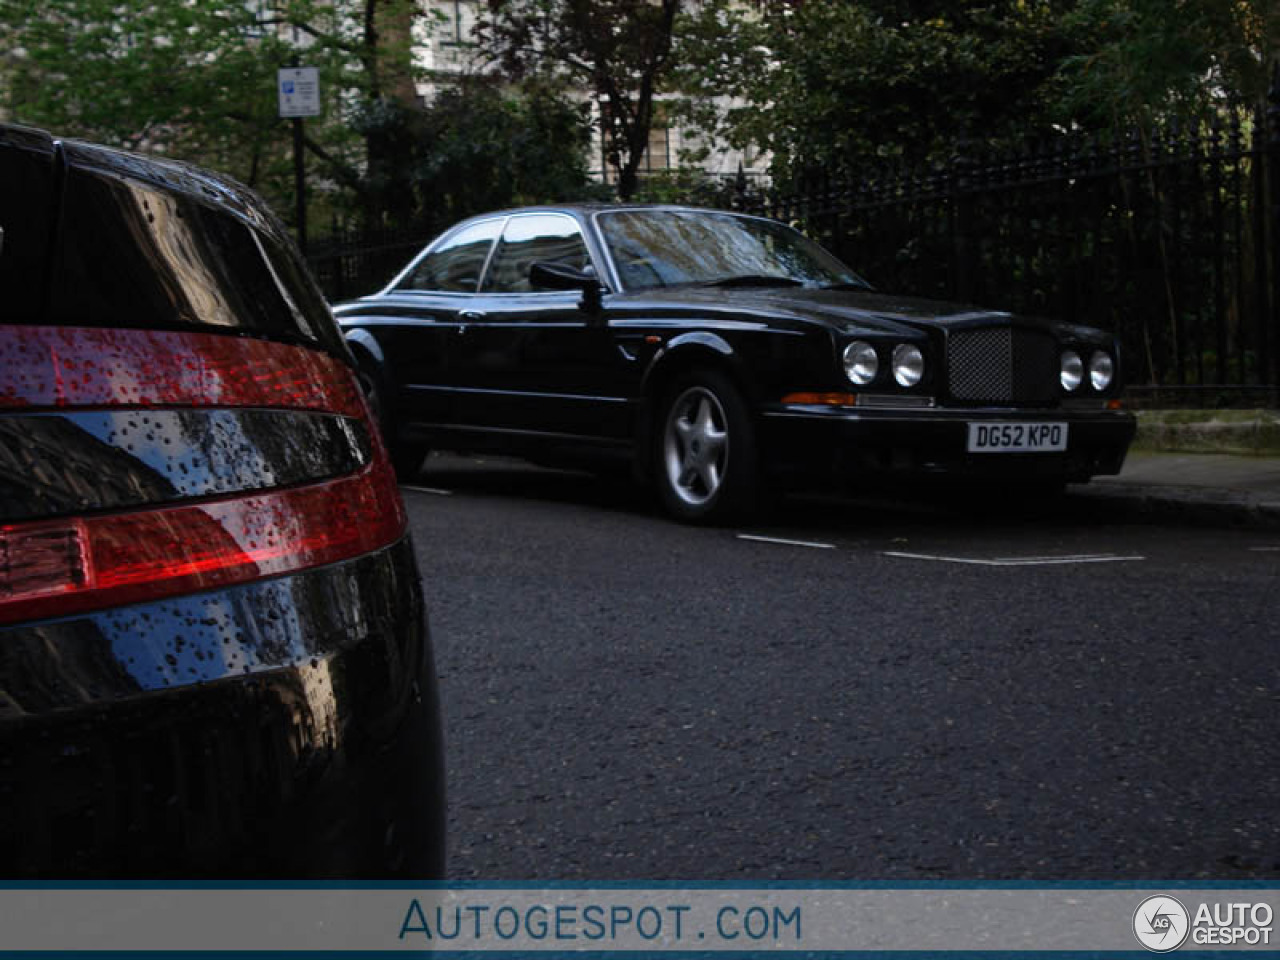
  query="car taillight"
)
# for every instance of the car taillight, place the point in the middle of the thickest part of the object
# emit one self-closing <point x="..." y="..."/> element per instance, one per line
<point x="62" y="367"/>
<point x="60" y="566"/>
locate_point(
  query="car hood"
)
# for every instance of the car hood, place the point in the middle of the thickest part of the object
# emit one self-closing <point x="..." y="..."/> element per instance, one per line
<point x="845" y="311"/>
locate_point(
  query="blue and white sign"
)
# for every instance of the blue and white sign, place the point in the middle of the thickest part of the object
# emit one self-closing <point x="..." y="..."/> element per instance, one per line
<point x="298" y="90"/>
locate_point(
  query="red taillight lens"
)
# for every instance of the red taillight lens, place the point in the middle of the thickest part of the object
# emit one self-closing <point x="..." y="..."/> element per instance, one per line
<point x="42" y="560"/>
<point x="63" y="367"/>
<point x="60" y="567"/>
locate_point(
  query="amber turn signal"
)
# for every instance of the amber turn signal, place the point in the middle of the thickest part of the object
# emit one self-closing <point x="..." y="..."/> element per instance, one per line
<point x="823" y="399"/>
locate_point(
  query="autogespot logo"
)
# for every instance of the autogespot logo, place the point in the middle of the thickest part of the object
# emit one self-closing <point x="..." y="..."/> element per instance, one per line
<point x="1161" y="924"/>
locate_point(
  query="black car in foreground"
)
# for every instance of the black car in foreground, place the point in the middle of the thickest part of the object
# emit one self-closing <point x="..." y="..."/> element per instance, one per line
<point x="214" y="657"/>
<point x="719" y="353"/>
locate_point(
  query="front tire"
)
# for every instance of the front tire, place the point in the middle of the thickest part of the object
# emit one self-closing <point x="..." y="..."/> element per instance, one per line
<point x="406" y="458"/>
<point x="706" y="463"/>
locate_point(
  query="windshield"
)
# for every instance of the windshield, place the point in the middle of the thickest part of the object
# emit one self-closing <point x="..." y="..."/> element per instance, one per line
<point x="660" y="248"/>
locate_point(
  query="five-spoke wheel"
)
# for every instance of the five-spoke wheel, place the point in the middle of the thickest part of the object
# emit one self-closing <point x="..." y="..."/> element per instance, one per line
<point x="706" y="452"/>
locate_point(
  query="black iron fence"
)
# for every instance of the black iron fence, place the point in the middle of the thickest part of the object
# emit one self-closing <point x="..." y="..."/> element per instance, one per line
<point x="1171" y="239"/>
<point x="349" y="263"/>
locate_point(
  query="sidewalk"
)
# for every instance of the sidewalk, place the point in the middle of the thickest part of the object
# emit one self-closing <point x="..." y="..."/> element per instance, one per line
<point x="1202" y="488"/>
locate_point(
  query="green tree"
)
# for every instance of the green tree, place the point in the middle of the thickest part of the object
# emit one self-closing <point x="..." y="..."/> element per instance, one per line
<point x="1144" y="59"/>
<point x="197" y="81"/>
<point x="480" y="145"/>
<point x="619" y="50"/>
<point x="834" y="86"/>
<point x="140" y="74"/>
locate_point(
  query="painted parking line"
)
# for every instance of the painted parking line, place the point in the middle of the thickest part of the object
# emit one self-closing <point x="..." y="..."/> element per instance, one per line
<point x="1017" y="561"/>
<point x="786" y="543"/>
<point x="436" y="490"/>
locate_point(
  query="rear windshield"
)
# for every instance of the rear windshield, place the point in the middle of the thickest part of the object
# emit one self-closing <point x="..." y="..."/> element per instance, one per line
<point x="95" y="237"/>
<point x="129" y="254"/>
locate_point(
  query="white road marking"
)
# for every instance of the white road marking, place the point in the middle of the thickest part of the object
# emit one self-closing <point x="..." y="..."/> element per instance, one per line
<point x="788" y="543"/>
<point x="1265" y="549"/>
<point x="1016" y="561"/>
<point x="436" y="490"/>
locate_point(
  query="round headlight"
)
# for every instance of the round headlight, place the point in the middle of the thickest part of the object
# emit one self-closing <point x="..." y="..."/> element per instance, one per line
<point x="1072" y="373"/>
<point x="1102" y="370"/>
<point x="908" y="365"/>
<point x="861" y="362"/>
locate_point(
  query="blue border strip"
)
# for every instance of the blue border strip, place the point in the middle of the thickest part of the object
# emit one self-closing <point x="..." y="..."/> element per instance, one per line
<point x="636" y="954"/>
<point x="496" y="886"/>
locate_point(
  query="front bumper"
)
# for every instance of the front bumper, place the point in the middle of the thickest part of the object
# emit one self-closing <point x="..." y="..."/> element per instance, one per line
<point x="858" y="443"/>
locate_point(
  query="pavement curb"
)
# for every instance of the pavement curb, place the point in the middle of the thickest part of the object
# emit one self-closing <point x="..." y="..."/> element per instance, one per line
<point x="1192" y="506"/>
<point x="1239" y="432"/>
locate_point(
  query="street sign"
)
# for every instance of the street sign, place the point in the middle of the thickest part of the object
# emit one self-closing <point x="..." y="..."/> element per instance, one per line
<point x="298" y="89"/>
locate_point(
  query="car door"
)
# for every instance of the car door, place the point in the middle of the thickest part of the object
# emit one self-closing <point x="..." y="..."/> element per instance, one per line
<point x="536" y="361"/>
<point x="419" y="318"/>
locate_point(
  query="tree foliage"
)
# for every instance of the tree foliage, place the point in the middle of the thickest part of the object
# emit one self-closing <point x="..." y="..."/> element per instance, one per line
<point x="619" y="50"/>
<point x="192" y="80"/>
<point x="480" y="146"/>
<point x="1141" y="59"/>
<point x="197" y="81"/>
<point x="834" y="86"/>
<point x="135" y="74"/>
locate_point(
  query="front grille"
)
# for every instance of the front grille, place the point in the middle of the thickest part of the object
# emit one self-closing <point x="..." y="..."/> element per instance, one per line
<point x="1003" y="365"/>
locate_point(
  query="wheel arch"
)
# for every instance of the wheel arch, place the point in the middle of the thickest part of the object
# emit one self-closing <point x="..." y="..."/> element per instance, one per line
<point x="365" y="346"/>
<point x="697" y="350"/>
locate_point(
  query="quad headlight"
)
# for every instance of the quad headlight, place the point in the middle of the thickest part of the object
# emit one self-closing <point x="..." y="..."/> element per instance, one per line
<point x="860" y="362"/>
<point x="908" y="365"/>
<point x="1102" y="370"/>
<point x="1072" y="371"/>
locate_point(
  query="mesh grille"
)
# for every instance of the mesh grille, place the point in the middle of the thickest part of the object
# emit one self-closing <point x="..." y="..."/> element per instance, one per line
<point x="980" y="365"/>
<point x="1002" y="365"/>
<point x="1036" y="367"/>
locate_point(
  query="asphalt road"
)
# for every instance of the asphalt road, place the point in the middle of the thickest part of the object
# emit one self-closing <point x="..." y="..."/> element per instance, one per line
<point x="909" y="691"/>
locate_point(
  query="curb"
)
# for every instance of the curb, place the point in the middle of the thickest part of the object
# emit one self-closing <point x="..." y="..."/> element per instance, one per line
<point x="1239" y="432"/>
<point x="1190" y="506"/>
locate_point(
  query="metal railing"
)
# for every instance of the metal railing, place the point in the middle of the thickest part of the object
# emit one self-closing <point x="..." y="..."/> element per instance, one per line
<point x="1170" y="239"/>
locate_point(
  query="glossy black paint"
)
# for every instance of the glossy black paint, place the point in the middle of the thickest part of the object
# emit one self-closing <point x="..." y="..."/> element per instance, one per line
<point x="560" y="373"/>
<point x="284" y="728"/>
<point x="101" y="237"/>
<point x="287" y="728"/>
<point x="54" y="464"/>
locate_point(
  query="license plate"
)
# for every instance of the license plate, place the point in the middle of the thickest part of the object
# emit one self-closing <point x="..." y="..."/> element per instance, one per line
<point x="1017" y="437"/>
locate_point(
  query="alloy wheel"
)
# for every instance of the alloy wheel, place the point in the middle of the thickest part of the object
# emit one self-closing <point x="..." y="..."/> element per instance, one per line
<point x="696" y="446"/>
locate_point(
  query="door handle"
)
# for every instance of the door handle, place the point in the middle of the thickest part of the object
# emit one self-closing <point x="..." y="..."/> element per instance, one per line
<point x="466" y="318"/>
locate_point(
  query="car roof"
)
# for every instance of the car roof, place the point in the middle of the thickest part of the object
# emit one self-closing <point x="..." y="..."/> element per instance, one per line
<point x="173" y="176"/>
<point x="585" y="208"/>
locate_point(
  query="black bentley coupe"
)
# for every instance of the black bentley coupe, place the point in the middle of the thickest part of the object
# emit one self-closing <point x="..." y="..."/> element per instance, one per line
<point x="718" y="353"/>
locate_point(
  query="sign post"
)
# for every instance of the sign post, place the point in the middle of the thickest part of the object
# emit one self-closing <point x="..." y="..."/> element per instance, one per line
<point x="298" y="93"/>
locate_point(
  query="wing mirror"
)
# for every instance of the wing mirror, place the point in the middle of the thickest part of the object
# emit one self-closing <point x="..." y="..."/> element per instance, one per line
<point x="558" y="276"/>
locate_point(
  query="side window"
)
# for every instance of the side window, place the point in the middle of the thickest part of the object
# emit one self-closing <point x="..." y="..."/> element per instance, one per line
<point x="454" y="267"/>
<point x="529" y="239"/>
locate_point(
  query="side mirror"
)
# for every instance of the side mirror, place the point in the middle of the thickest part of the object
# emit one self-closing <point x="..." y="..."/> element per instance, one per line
<point x="557" y="276"/>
